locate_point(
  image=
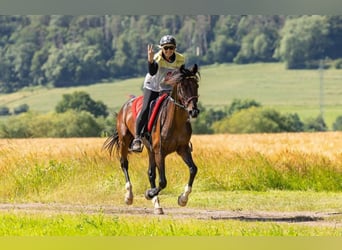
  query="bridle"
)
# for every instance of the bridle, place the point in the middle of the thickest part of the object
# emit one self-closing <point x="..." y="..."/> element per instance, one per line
<point x="186" y="101"/>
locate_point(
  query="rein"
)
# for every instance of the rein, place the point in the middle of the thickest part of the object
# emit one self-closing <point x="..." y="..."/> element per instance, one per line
<point x="186" y="102"/>
<point x="176" y="103"/>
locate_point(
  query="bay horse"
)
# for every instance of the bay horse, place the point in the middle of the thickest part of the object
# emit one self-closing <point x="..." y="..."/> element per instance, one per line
<point x="171" y="133"/>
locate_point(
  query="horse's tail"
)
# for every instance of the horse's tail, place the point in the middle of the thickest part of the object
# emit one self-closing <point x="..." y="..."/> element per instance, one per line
<point x="112" y="143"/>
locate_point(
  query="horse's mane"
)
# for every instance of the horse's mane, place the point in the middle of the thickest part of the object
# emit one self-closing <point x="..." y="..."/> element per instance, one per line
<point x="184" y="73"/>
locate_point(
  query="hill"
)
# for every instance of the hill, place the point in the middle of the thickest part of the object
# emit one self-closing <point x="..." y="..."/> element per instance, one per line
<point x="270" y="84"/>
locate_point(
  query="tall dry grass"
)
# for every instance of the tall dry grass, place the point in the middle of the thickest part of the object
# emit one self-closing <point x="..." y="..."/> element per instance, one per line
<point x="76" y="170"/>
<point x="294" y="161"/>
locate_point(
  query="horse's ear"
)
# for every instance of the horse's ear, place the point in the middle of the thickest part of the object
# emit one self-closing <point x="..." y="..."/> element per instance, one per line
<point x="182" y="67"/>
<point x="194" y="68"/>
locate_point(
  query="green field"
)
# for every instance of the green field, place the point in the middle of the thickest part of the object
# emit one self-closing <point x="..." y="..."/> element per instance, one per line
<point x="55" y="186"/>
<point x="270" y="84"/>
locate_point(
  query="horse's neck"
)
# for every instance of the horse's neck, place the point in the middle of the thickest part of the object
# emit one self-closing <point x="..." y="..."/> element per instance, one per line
<point x="176" y="112"/>
<point x="174" y="93"/>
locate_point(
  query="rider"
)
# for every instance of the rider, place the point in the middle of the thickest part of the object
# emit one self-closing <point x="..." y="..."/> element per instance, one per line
<point x="160" y="65"/>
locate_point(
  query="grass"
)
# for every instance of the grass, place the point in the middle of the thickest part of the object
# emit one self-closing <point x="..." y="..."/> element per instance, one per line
<point x="44" y="169"/>
<point x="258" y="172"/>
<point x="270" y="84"/>
<point x="104" y="225"/>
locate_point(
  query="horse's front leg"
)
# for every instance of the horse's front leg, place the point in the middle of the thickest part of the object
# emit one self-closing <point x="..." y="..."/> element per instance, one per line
<point x="185" y="153"/>
<point x="152" y="194"/>
<point x="151" y="173"/>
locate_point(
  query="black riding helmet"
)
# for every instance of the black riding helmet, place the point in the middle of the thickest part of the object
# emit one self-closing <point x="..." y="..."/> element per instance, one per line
<point x="167" y="40"/>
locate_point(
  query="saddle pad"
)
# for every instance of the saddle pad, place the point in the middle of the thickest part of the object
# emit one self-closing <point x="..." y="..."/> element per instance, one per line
<point x="137" y="105"/>
<point x="155" y="111"/>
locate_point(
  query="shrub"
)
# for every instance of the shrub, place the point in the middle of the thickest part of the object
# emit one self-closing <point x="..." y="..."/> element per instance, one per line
<point x="68" y="124"/>
<point x="76" y="124"/>
<point x="238" y="105"/>
<point x="337" y="126"/>
<point x="315" y="124"/>
<point x="81" y="101"/>
<point x="258" y="120"/>
<point x="338" y="64"/>
<point x="4" y="111"/>
<point x="21" y="109"/>
<point x="202" y="124"/>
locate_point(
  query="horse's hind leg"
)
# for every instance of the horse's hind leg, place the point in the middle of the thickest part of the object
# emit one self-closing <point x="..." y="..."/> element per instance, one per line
<point x="124" y="167"/>
<point x="128" y="185"/>
<point x="185" y="153"/>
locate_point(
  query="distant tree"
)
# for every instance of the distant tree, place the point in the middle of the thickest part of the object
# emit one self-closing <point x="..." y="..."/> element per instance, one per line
<point x="4" y="110"/>
<point x="37" y="74"/>
<point x="251" y="120"/>
<point x="337" y="126"/>
<point x="76" y="124"/>
<point x="303" y="39"/>
<point x="258" y="45"/>
<point x="222" y="50"/>
<point x="291" y="123"/>
<point x="202" y="124"/>
<point x="228" y="25"/>
<point x="16" y="126"/>
<point x="258" y="120"/>
<point x="335" y="37"/>
<point x="238" y="104"/>
<point x="69" y="124"/>
<point x="74" y="64"/>
<point x="338" y="64"/>
<point x="8" y="73"/>
<point x="315" y="124"/>
<point x="66" y="50"/>
<point x="21" y="109"/>
<point x="81" y="101"/>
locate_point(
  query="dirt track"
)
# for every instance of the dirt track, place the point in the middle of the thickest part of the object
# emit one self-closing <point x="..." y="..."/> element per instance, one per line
<point x="309" y="218"/>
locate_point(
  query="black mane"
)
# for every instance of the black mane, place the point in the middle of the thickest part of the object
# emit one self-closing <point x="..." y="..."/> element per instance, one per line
<point x="185" y="73"/>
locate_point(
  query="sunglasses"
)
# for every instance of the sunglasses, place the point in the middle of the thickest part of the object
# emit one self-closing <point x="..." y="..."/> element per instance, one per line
<point x="169" y="47"/>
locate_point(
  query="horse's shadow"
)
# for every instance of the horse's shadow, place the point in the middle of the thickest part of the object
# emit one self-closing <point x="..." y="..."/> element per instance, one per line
<point x="290" y="219"/>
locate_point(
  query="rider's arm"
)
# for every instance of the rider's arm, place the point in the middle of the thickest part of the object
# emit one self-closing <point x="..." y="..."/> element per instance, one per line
<point x="152" y="68"/>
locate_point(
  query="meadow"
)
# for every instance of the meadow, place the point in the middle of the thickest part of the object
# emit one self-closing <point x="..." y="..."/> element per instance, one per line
<point x="287" y="91"/>
<point x="290" y="173"/>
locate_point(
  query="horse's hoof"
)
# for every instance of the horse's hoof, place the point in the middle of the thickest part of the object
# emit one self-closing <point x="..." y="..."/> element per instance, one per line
<point x="182" y="202"/>
<point x="147" y="196"/>
<point x="129" y="201"/>
<point x="158" y="211"/>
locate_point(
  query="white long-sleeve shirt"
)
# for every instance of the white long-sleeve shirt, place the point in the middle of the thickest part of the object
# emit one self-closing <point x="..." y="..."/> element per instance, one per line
<point x="156" y="82"/>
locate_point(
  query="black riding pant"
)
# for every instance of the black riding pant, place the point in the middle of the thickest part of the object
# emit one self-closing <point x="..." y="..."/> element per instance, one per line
<point x="149" y="96"/>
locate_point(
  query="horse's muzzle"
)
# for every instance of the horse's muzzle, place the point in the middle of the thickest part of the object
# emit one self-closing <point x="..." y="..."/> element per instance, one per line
<point x="194" y="112"/>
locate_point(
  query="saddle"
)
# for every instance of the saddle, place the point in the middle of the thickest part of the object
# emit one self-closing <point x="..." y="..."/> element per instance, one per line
<point x="154" y="109"/>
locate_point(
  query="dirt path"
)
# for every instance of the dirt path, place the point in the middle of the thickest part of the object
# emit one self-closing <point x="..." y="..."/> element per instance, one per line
<point x="309" y="218"/>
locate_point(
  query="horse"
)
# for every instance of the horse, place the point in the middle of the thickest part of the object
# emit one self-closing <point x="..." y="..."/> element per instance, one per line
<point x="171" y="133"/>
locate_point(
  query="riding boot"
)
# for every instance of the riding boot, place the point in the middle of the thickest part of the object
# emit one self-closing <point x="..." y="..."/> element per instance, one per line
<point x="137" y="144"/>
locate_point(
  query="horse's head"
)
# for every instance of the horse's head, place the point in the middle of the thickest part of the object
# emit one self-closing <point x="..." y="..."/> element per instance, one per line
<point x="186" y="86"/>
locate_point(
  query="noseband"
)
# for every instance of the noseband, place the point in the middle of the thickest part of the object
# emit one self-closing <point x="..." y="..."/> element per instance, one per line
<point x="187" y="101"/>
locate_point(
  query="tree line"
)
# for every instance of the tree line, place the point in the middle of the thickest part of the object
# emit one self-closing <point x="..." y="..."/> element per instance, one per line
<point x="78" y="115"/>
<point x="64" y="50"/>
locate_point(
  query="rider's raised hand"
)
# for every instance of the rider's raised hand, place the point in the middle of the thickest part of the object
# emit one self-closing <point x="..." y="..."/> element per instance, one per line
<point x="150" y="53"/>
